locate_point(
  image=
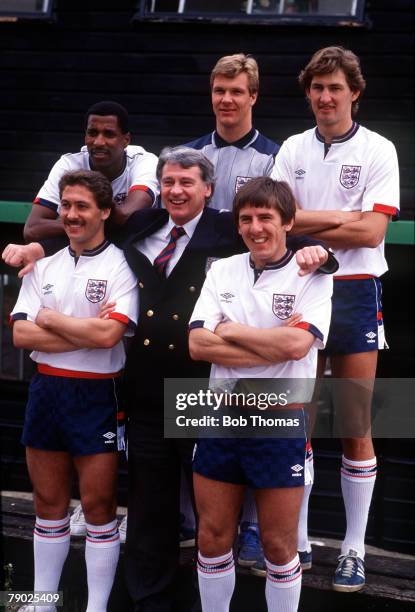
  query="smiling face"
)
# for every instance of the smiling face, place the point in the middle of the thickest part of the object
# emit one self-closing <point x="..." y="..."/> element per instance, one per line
<point x="232" y="104"/>
<point x="331" y="100"/>
<point x="82" y="220"/>
<point x="263" y="233"/>
<point x="106" y="143"/>
<point x="183" y="192"/>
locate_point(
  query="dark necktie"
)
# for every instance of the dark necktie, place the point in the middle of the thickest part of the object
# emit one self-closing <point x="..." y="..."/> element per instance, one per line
<point x="162" y="259"/>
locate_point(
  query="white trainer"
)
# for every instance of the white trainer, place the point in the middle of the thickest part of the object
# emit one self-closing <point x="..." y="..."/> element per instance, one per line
<point x="122" y="528"/>
<point x="77" y="522"/>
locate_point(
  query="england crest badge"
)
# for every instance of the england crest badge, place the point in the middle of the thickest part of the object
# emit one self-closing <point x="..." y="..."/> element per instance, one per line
<point x="349" y="176"/>
<point x="283" y="305"/>
<point x="95" y="290"/>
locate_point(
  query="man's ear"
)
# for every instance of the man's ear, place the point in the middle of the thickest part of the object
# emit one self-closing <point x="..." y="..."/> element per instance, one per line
<point x="127" y="139"/>
<point x="288" y="226"/>
<point x="105" y="213"/>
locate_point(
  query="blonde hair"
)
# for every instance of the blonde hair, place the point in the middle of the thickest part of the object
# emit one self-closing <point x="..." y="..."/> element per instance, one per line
<point x="230" y="66"/>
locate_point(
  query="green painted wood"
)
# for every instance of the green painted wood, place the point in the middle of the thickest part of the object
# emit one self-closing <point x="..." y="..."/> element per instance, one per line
<point x="14" y="212"/>
<point x="399" y="232"/>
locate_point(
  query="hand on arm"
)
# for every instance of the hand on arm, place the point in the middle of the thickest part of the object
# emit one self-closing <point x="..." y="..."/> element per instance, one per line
<point x="136" y="200"/>
<point x="92" y="332"/>
<point x="309" y="259"/>
<point x="28" y="335"/>
<point x="25" y="255"/>
<point x="43" y="222"/>
<point x="205" y="345"/>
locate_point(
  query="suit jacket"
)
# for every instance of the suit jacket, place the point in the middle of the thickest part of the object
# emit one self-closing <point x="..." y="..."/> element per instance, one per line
<point x="159" y="348"/>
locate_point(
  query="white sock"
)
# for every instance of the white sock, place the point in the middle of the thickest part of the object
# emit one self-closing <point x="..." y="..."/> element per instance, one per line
<point x="102" y="550"/>
<point x="357" y="482"/>
<point x="249" y="514"/>
<point x="186" y="506"/>
<point x="51" y="541"/>
<point x="303" y="541"/>
<point x="283" y="586"/>
<point x="216" y="581"/>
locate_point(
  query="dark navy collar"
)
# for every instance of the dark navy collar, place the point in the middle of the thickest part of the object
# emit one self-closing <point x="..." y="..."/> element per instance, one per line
<point x="274" y="265"/>
<point x="91" y="252"/>
<point x="219" y="142"/>
<point x="349" y="134"/>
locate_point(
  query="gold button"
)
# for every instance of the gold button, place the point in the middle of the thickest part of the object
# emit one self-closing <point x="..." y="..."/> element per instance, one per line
<point x="141" y="285"/>
<point x="146" y="342"/>
<point x="192" y="289"/>
<point x="171" y="347"/>
<point x="176" y="317"/>
<point x="150" y="313"/>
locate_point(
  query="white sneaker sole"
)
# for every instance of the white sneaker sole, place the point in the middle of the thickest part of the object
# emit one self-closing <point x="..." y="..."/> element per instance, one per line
<point x="345" y="588"/>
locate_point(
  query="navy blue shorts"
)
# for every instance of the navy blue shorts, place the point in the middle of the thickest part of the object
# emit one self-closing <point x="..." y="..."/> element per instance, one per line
<point x="260" y="463"/>
<point x="75" y="415"/>
<point x="356" y="320"/>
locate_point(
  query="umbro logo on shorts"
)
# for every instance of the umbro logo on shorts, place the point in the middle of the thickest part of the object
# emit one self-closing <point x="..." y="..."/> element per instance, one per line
<point x="297" y="470"/>
<point x="109" y="435"/>
<point x="370" y="337"/>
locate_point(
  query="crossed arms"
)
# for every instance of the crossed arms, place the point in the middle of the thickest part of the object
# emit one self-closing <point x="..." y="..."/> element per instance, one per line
<point x="342" y="229"/>
<point x="237" y="345"/>
<point x="54" y="332"/>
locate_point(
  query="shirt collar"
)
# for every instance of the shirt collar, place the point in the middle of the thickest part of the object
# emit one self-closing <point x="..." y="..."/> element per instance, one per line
<point x="188" y="227"/>
<point x="243" y="142"/>
<point x="275" y="265"/>
<point x="91" y="252"/>
<point x="349" y="134"/>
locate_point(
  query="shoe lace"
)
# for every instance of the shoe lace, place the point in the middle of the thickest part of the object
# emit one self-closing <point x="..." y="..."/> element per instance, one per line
<point x="349" y="565"/>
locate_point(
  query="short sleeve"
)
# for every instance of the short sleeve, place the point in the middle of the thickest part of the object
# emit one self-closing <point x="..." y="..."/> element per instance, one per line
<point x="124" y="292"/>
<point x="207" y="312"/>
<point x="49" y="192"/>
<point x="282" y="166"/>
<point x="382" y="186"/>
<point x="143" y="174"/>
<point x="315" y="307"/>
<point x="29" y="300"/>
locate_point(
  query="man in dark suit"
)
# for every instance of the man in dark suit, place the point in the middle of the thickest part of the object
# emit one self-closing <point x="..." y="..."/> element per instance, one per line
<point x="160" y="350"/>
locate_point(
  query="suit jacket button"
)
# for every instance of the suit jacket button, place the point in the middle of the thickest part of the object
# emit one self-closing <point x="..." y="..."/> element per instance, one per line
<point x="192" y="289"/>
<point x="141" y="285"/>
<point x="171" y="347"/>
<point x="176" y="317"/>
<point x="150" y="313"/>
<point x="146" y="342"/>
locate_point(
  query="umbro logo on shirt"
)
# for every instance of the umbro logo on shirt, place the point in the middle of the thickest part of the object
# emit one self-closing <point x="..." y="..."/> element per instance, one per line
<point x="299" y="174"/>
<point x="47" y="289"/>
<point x="227" y="297"/>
